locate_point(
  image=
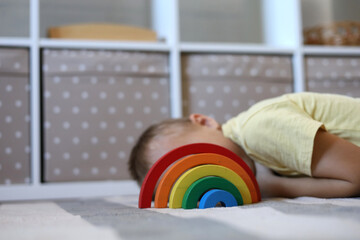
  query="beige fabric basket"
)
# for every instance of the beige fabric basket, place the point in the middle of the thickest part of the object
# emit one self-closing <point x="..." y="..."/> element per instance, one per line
<point x="15" y="146"/>
<point x="346" y="33"/>
<point x="95" y="105"/>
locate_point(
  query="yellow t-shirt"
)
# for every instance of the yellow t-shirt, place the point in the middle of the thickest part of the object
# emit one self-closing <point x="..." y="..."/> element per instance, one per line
<point x="280" y="132"/>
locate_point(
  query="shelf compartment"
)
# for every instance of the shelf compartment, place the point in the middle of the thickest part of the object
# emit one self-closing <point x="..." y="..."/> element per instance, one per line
<point x="96" y="104"/>
<point x="327" y="12"/>
<point x="15" y="116"/>
<point x="15" y="18"/>
<point x="57" y="13"/>
<point x="221" y="21"/>
<point x="240" y="21"/>
<point x="223" y="85"/>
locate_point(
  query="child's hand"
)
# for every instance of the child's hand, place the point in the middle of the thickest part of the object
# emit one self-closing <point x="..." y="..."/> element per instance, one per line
<point x="265" y="178"/>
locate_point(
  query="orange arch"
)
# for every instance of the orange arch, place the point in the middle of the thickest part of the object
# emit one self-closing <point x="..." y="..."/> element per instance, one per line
<point x="175" y="171"/>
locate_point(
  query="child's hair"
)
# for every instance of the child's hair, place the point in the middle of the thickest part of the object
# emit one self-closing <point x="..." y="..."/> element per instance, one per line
<point x="138" y="164"/>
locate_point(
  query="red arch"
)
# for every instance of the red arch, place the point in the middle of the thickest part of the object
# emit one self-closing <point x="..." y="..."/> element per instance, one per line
<point x="148" y="186"/>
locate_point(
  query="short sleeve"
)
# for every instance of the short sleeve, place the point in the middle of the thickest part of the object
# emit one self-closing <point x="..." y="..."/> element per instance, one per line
<point x="280" y="136"/>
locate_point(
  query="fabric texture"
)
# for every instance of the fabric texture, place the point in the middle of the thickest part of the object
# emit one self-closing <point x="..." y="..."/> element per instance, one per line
<point x="118" y="218"/>
<point x="280" y="132"/>
<point x="15" y="120"/>
<point x="222" y="85"/>
<point x="96" y="104"/>
<point x="333" y="74"/>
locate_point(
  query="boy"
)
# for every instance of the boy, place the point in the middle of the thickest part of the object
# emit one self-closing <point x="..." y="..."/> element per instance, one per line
<point x="310" y="140"/>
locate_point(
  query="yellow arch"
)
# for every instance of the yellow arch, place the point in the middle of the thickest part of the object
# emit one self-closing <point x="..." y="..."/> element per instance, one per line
<point x="184" y="182"/>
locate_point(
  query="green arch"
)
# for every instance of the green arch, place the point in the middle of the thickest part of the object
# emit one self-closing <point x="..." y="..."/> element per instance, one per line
<point x="199" y="187"/>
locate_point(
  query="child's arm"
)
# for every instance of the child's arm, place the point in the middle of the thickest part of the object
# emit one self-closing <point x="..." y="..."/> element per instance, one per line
<point x="335" y="170"/>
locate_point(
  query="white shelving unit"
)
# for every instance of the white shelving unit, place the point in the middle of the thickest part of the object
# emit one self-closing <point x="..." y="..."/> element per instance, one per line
<point x="272" y="27"/>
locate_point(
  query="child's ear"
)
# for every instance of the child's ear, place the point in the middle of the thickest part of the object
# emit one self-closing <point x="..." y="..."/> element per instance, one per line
<point x="204" y="120"/>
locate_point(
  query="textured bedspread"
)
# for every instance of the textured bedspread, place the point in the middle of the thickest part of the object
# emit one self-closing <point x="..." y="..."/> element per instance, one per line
<point x="119" y="218"/>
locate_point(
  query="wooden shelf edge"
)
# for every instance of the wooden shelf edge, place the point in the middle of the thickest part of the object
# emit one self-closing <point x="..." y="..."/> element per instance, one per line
<point x="141" y="46"/>
<point x="331" y="50"/>
<point x="15" y="42"/>
<point x="235" y="48"/>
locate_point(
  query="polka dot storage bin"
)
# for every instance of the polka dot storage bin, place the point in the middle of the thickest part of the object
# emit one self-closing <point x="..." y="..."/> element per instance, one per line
<point x="95" y="104"/>
<point x="223" y="85"/>
<point x="14" y="116"/>
<point x="339" y="75"/>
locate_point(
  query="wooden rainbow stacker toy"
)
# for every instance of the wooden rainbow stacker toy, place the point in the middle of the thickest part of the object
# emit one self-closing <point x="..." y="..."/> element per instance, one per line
<point x="201" y="172"/>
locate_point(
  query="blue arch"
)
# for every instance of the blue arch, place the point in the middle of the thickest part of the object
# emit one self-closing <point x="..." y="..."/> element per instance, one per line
<point x="213" y="196"/>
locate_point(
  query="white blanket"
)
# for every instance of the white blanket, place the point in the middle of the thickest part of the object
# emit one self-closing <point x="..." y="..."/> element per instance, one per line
<point x="119" y="218"/>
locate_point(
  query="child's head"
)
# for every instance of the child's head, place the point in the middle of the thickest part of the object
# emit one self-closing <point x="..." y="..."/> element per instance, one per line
<point x="141" y="158"/>
<point x="160" y="138"/>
